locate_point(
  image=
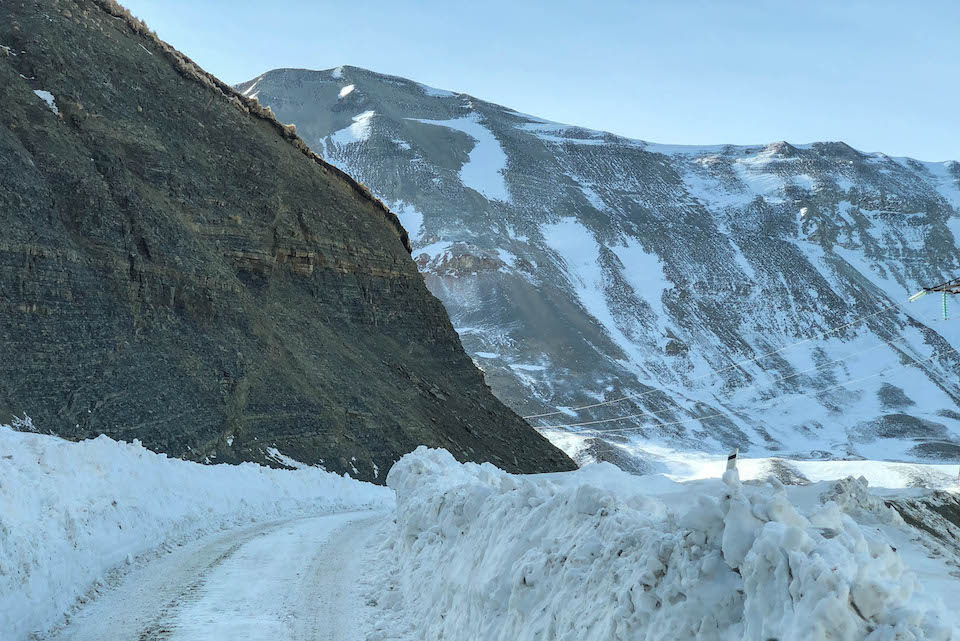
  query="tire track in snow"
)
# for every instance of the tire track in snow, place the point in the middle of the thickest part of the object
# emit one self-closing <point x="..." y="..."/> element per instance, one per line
<point x="160" y="629"/>
<point x="293" y="579"/>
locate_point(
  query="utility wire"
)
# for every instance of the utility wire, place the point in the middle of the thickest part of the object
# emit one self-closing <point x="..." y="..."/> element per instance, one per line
<point x="727" y="368"/>
<point x="783" y="378"/>
<point x="721" y="414"/>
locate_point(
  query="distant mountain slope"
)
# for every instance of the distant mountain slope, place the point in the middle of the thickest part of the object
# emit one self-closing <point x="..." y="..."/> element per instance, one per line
<point x="177" y="268"/>
<point x="580" y="267"/>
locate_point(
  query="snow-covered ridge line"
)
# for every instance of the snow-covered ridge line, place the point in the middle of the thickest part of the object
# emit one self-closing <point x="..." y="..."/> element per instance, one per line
<point x="599" y="554"/>
<point x="593" y="136"/>
<point x="69" y="512"/>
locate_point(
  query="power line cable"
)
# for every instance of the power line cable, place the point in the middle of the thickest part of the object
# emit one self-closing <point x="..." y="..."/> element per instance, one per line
<point x="725" y="369"/>
<point x="794" y="375"/>
<point x="721" y="414"/>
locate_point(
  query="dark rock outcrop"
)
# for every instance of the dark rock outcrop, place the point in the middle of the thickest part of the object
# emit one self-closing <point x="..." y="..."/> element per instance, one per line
<point x="177" y="267"/>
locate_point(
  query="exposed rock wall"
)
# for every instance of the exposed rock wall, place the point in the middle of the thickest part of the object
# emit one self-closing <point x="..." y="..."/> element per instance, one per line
<point x="174" y="269"/>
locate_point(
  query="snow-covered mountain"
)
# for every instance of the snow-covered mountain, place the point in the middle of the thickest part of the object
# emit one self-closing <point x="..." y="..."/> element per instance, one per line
<point x="750" y="296"/>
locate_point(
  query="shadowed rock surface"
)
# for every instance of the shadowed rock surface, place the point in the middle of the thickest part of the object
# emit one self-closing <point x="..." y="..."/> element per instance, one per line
<point x="176" y="267"/>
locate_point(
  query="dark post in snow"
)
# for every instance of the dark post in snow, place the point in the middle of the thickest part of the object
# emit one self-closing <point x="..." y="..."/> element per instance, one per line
<point x="732" y="459"/>
<point x="948" y="287"/>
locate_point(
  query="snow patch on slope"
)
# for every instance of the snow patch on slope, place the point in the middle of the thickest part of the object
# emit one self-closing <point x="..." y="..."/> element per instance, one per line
<point x="644" y="272"/>
<point x="579" y="251"/>
<point x="288" y="461"/>
<point x="947" y="177"/>
<point x="486" y="166"/>
<point x="755" y="172"/>
<point x="252" y="87"/>
<point x="357" y="132"/>
<point x="69" y="512"/>
<point x="433" y="92"/>
<point x="433" y="250"/>
<point x="410" y="217"/>
<point x="346" y="91"/>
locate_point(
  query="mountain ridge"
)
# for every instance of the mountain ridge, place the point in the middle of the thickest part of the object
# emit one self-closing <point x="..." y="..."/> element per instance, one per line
<point x="679" y="147"/>
<point x="567" y="255"/>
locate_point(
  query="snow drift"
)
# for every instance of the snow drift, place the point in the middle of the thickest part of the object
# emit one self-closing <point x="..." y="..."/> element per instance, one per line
<point x="601" y="555"/>
<point x="69" y="512"/>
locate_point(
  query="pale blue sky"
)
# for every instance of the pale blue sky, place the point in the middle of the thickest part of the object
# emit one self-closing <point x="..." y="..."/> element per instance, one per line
<point x="882" y="76"/>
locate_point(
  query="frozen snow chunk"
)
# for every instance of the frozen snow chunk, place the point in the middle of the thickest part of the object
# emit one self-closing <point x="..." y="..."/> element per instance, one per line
<point x="346" y="91"/>
<point x="47" y="97"/>
<point x="591" y="500"/>
<point x="739" y="531"/>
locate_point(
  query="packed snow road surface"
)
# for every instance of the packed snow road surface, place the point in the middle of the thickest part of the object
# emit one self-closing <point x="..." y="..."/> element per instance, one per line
<point x="286" y="580"/>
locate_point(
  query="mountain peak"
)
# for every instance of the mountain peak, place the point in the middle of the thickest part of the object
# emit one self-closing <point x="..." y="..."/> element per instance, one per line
<point x="839" y="150"/>
<point x="782" y="148"/>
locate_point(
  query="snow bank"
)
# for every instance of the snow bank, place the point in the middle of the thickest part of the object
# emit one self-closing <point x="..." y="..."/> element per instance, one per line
<point x="599" y="554"/>
<point x="69" y="512"/>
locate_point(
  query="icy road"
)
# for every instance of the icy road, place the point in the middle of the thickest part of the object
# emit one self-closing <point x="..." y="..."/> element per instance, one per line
<point x="289" y="580"/>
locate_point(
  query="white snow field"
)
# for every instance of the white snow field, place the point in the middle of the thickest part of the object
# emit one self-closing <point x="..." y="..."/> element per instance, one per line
<point x="72" y="512"/>
<point x="598" y="554"/>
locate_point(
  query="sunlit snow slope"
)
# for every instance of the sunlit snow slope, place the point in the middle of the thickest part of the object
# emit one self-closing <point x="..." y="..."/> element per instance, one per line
<point x="580" y="267"/>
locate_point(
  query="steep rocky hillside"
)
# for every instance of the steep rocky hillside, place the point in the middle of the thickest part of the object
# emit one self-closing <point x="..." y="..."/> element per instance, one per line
<point x="750" y="296"/>
<point x="176" y="267"/>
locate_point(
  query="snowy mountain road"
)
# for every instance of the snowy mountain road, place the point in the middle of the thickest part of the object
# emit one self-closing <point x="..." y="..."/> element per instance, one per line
<point x="288" y="580"/>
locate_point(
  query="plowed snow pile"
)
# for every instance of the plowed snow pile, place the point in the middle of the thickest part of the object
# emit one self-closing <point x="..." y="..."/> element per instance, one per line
<point x="601" y="555"/>
<point x="69" y="512"/>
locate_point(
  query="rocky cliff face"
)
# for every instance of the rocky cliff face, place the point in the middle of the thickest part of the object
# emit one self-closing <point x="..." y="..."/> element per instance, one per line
<point x="749" y="296"/>
<point x="176" y="267"/>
